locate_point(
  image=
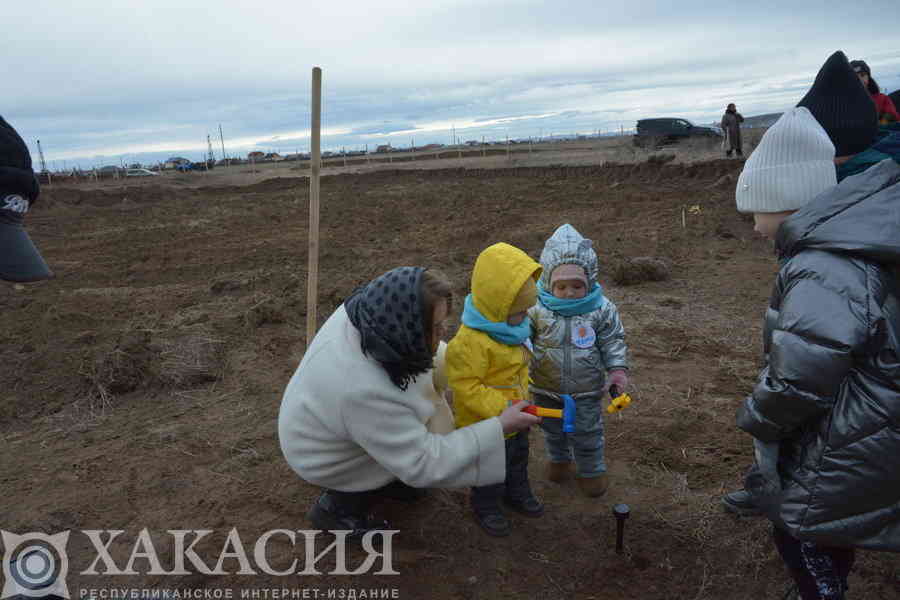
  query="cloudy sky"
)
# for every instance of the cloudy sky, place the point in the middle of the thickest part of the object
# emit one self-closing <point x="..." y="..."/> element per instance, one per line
<point x="99" y="81"/>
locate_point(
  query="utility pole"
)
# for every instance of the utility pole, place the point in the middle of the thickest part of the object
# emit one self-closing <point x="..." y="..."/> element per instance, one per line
<point x="41" y="153"/>
<point x="222" y="139"/>
<point x="210" y="159"/>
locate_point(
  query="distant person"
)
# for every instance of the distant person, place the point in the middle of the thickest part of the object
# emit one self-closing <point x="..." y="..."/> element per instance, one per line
<point x="895" y="98"/>
<point x="487" y="369"/>
<point x="731" y="125"/>
<point x="20" y="261"/>
<point x="884" y="106"/>
<point x="362" y="417"/>
<point x="579" y="349"/>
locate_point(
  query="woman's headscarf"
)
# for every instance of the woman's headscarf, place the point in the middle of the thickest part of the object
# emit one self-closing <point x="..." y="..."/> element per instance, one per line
<point x="388" y="313"/>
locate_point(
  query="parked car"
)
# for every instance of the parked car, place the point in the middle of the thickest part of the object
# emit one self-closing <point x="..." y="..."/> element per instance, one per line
<point x="140" y="173"/>
<point x="653" y="133"/>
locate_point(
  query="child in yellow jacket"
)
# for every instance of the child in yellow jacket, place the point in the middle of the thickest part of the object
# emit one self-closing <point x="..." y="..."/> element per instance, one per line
<point x="487" y="369"/>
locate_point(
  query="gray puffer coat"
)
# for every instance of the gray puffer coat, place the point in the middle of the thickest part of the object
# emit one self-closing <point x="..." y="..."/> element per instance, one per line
<point x="825" y="413"/>
<point x="572" y="354"/>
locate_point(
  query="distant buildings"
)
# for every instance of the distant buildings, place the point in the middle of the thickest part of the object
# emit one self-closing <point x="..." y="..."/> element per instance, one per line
<point x="175" y="162"/>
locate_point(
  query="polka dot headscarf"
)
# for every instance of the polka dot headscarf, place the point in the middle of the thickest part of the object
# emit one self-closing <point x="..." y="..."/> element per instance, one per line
<point x="388" y="314"/>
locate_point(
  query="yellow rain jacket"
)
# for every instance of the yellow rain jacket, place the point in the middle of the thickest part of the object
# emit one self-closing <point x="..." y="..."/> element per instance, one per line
<point x="486" y="376"/>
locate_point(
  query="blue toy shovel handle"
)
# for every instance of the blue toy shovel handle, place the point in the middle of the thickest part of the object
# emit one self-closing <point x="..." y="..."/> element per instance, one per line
<point x="568" y="424"/>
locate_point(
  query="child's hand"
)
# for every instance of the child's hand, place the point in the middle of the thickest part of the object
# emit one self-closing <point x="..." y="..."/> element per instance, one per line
<point x="513" y="419"/>
<point x="617" y="382"/>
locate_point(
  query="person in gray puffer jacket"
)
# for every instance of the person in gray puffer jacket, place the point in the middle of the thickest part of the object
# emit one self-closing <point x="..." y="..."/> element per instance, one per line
<point x="825" y="411"/>
<point x="578" y="338"/>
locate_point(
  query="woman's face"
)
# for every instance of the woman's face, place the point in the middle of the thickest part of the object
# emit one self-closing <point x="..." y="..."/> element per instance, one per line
<point x="864" y="78"/>
<point x="438" y="331"/>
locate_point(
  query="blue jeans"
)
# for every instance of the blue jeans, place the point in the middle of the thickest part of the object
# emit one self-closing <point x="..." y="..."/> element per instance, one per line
<point x="585" y="446"/>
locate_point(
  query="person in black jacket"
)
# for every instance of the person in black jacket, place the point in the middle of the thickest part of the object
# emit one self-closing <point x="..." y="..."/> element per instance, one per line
<point x="731" y="126"/>
<point x="824" y="411"/>
<point x="844" y="110"/>
<point x="20" y="260"/>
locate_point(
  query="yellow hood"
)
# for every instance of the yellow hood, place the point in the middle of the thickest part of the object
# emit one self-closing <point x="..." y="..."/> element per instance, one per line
<point x="500" y="272"/>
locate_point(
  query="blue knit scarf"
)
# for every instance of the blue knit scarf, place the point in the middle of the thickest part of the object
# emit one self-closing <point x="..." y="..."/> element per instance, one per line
<point x="511" y="335"/>
<point x="575" y="306"/>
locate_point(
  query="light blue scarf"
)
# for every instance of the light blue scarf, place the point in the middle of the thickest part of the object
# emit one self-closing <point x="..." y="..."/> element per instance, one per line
<point x="575" y="306"/>
<point x="511" y="335"/>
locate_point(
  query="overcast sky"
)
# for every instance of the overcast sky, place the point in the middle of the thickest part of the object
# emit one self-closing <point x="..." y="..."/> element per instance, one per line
<point x="100" y="81"/>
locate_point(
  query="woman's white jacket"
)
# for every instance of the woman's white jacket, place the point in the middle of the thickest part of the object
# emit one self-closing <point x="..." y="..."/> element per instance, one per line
<point x="344" y="425"/>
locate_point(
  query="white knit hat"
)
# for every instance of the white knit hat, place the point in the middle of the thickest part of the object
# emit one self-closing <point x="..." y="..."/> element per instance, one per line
<point x="793" y="164"/>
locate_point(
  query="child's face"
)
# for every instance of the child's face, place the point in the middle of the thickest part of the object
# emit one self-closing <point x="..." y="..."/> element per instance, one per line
<point x="767" y="224"/>
<point x="571" y="289"/>
<point x="516" y="318"/>
<point x="438" y="330"/>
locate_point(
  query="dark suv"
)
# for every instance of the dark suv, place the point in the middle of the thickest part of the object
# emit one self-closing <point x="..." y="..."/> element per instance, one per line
<point x="653" y="133"/>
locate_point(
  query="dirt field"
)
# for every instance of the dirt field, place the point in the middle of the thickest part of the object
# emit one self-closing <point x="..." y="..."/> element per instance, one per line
<point x="142" y="385"/>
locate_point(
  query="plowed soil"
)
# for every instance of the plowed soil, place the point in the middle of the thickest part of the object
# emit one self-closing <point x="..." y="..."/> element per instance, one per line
<point x="141" y="386"/>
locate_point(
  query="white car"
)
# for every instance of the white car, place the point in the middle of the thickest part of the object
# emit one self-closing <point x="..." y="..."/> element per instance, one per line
<point x="140" y="173"/>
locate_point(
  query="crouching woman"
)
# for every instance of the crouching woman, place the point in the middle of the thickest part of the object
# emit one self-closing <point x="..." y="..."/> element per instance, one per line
<point x="361" y="416"/>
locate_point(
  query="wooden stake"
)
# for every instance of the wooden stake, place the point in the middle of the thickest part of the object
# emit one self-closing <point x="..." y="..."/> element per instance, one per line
<point x="312" y="282"/>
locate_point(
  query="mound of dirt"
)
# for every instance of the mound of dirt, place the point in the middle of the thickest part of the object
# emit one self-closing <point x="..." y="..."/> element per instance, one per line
<point x="637" y="270"/>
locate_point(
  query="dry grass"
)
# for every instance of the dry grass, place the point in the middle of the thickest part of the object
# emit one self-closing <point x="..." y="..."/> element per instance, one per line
<point x="191" y="359"/>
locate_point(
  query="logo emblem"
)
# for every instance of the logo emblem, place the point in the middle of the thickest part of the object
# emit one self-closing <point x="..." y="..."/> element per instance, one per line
<point x="35" y="565"/>
<point x="15" y="203"/>
<point x="584" y="336"/>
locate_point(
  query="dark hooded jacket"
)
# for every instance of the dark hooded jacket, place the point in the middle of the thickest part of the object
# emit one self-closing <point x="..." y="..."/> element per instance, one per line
<point x="825" y="413"/>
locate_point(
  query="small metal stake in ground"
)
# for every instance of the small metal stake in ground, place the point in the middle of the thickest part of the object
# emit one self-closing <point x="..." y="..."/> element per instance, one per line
<point x="621" y="512"/>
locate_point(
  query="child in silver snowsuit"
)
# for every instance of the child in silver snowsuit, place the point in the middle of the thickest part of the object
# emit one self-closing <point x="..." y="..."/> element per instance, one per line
<point x="579" y="350"/>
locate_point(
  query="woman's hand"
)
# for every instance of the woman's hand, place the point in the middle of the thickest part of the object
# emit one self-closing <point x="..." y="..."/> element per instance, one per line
<point x="513" y="419"/>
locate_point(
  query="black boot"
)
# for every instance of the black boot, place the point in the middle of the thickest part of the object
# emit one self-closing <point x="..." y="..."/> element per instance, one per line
<point x="519" y="496"/>
<point x="345" y="511"/>
<point x="486" y="506"/>
<point x="397" y="490"/>
<point x="740" y="502"/>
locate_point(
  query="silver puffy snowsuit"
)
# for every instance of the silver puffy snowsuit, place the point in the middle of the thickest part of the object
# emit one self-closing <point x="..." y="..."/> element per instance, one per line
<point x="572" y="356"/>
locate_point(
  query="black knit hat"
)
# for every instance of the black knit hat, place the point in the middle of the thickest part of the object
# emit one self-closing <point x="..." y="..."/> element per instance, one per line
<point x="895" y="98"/>
<point x="860" y="66"/>
<point x="842" y="106"/>
<point x="19" y="258"/>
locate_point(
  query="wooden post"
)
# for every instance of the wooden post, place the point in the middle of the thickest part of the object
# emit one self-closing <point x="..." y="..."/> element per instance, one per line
<point x="312" y="278"/>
